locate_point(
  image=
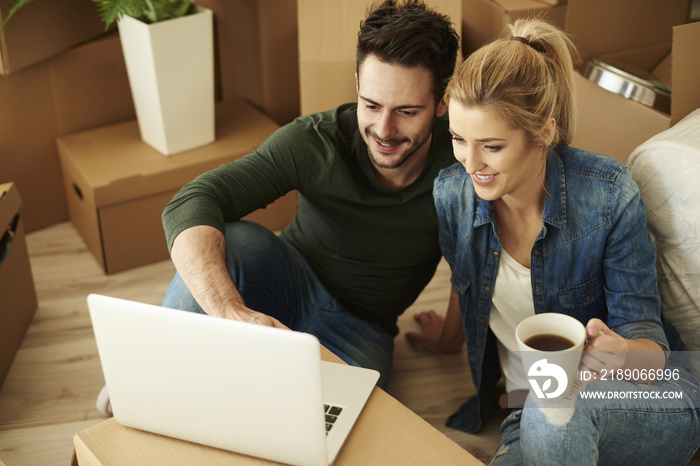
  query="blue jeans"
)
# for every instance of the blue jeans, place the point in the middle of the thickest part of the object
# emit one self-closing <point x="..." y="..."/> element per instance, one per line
<point x="275" y="279"/>
<point x="606" y="432"/>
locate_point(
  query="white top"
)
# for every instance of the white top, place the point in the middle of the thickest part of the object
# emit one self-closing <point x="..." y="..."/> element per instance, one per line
<point x="511" y="303"/>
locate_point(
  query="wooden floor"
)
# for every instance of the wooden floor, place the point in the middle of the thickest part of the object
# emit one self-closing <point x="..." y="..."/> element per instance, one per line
<point x="49" y="393"/>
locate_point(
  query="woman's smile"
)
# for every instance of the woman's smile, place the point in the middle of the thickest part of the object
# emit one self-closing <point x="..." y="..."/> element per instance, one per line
<point x="484" y="180"/>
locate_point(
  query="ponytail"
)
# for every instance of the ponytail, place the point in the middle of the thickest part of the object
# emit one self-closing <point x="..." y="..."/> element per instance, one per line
<point x="527" y="75"/>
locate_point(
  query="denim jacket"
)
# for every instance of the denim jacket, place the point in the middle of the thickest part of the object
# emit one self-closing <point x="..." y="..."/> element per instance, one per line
<point x="593" y="258"/>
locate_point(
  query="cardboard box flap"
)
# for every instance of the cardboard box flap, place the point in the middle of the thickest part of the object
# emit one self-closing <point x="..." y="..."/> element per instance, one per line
<point x="646" y="58"/>
<point x="520" y="8"/>
<point x="10" y="202"/>
<point x="600" y="27"/>
<point x="662" y="70"/>
<point x="685" y="71"/>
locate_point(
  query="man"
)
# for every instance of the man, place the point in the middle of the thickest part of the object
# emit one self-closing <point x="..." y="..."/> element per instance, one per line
<point x="364" y="242"/>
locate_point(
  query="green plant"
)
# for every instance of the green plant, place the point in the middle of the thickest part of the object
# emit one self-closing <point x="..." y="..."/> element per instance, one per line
<point x="148" y="11"/>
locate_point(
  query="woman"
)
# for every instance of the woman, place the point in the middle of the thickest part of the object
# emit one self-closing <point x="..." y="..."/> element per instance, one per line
<point x="530" y="225"/>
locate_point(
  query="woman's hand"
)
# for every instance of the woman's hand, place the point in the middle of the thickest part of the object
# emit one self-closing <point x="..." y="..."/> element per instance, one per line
<point x="605" y="350"/>
<point x="431" y="336"/>
<point x="431" y="324"/>
<point x="439" y="334"/>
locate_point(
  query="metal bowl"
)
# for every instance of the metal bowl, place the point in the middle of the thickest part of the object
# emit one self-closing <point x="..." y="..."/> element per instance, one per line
<point x="630" y="83"/>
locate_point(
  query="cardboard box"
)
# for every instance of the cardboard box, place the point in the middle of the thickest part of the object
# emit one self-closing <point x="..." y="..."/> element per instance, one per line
<point x="277" y="59"/>
<point x="117" y="186"/>
<point x="18" y="300"/>
<point x="256" y="54"/>
<point x="28" y="154"/>
<point x="87" y="87"/>
<point x="484" y="20"/>
<point x="90" y="86"/>
<point x="80" y="89"/>
<point x="387" y="433"/>
<point x="609" y="123"/>
<point x="44" y="28"/>
<point x="327" y="46"/>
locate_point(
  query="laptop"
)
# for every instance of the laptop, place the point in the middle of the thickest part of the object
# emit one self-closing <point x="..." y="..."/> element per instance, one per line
<point x="255" y="390"/>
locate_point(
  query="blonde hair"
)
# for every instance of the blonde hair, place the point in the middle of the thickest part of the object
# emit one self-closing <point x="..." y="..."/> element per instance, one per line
<point x="527" y="75"/>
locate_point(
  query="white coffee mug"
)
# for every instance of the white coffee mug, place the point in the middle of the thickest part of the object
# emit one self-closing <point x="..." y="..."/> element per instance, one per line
<point x="550" y="372"/>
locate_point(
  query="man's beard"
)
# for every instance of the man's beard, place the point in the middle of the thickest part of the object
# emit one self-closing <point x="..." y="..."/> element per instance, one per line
<point x="402" y="157"/>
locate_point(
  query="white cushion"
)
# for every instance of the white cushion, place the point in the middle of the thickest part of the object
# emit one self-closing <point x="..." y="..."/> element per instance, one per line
<point x="667" y="170"/>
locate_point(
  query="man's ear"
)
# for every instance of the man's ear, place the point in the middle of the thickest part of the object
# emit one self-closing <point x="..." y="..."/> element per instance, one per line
<point x="357" y="84"/>
<point x="441" y="108"/>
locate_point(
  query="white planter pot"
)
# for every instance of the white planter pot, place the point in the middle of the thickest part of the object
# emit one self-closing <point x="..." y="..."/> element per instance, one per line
<point x="171" y="72"/>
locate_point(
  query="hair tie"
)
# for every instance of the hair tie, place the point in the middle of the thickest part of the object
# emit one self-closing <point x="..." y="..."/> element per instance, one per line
<point x="532" y="45"/>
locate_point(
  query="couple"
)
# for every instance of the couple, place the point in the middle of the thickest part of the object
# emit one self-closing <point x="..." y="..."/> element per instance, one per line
<point x="381" y="200"/>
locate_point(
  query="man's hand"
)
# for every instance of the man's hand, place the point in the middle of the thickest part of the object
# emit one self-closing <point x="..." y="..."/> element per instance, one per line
<point x="252" y="317"/>
<point x="199" y="255"/>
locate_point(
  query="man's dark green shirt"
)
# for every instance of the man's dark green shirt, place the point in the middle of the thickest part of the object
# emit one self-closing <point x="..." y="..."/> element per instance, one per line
<point x="374" y="249"/>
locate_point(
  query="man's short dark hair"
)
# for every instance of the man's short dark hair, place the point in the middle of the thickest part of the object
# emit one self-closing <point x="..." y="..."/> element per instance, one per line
<point x="410" y="34"/>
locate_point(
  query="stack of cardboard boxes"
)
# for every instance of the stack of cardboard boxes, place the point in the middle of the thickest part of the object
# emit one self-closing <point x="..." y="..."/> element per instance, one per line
<point x="35" y="35"/>
<point x="67" y="91"/>
<point x="63" y="73"/>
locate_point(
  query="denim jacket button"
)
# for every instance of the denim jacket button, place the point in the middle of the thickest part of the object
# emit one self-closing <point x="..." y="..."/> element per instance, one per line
<point x="538" y="289"/>
<point x="536" y="252"/>
<point x="487" y="289"/>
<point x="482" y="321"/>
<point x="495" y="254"/>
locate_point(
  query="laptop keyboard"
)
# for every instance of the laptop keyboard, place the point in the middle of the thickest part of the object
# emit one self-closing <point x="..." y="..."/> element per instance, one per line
<point x="332" y="413"/>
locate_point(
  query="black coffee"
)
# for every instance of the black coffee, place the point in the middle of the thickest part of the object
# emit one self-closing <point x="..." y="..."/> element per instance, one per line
<point x="548" y="342"/>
